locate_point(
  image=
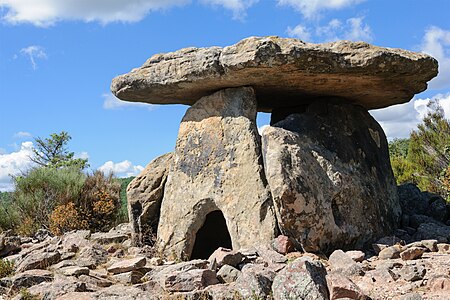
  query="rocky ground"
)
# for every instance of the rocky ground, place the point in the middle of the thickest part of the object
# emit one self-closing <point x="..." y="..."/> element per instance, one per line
<point x="413" y="263"/>
<point x="81" y="265"/>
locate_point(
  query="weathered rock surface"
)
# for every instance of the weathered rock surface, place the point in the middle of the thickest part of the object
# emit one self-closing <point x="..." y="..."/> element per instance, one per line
<point x="217" y="166"/>
<point x="127" y="265"/>
<point x="330" y="176"/>
<point x="283" y="71"/>
<point x="144" y="196"/>
<point x="303" y="279"/>
<point x="30" y="278"/>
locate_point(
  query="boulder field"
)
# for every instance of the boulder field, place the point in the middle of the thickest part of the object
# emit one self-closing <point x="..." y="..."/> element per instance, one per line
<point x="319" y="175"/>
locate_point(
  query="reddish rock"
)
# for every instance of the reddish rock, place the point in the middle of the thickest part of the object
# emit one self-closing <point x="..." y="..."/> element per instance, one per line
<point x="340" y="286"/>
<point x="412" y="253"/>
<point x="282" y="244"/>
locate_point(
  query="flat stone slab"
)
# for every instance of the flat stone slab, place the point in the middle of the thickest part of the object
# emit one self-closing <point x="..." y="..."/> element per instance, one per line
<point x="283" y="71"/>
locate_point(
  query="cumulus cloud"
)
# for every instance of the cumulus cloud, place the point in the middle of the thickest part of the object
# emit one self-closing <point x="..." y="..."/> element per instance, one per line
<point x="121" y="169"/>
<point x="399" y="120"/>
<point x="33" y="53"/>
<point x="300" y="32"/>
<point x="311" y="8"/>
<point x="13" y="164"/>
<point x="112" y="102"/>
<point x="436" y="42"/>
<point x="353" y="29"/>
<point x="45" y="13"/>
<point x="238" y="7"/>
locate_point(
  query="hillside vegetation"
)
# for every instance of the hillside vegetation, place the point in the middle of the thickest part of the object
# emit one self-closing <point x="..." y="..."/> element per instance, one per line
<point x="424" y="158"/>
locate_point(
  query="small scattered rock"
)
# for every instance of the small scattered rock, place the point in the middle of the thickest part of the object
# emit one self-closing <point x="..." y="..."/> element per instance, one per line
<point x="38" y="260"/>
<point x="412" y="272"/>
<point x="443" y="248"/>
<point x="302" y="279"/>
<point x="228" y="274"/>
<point x="342" y="262"/>
<point x="341" y="287"/>
<point x="131" y="277"/>
<point x="190" y="280"/>
<point x="224" y="256"/>
<point x="128" y="265"/>
<point x="391" y="252"/>
<point x="282" y="244"/>
<point x="74" y="271"/>
<point x="356" y="255"/>
<point x="30" y="277"/>
<point x="412" y="253"/>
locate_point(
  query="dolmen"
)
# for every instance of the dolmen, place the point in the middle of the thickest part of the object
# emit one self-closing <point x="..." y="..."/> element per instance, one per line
<point x="319" y="174"/>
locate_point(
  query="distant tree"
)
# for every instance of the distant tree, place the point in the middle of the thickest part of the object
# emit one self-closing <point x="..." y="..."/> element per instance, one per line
<point x="52" y="152"/>
<point x="428" y="150"/>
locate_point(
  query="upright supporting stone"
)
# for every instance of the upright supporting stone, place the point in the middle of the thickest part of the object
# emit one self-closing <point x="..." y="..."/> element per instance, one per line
<point x="330" y="177"/>
<point x="217" y="165"/>
<point x="144" y="196"/>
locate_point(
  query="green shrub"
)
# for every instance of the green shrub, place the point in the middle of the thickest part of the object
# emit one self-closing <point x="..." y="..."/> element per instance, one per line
<point x="6" y="268"/>
<point x="41" y="190"/>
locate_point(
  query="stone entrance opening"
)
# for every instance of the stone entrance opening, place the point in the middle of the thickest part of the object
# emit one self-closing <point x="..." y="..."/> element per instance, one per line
<point x="212" y="235"/>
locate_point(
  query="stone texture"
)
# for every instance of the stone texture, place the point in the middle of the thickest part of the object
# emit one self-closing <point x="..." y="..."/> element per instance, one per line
<point x="254" y="282"/>
<point x="356" y="255"/>
<point x="330" y="176"/>
<point x="8" y="245"/>
<point x="74" y="271"/>
<point x="190" y="280"/>
<point x="30" y="278"/>
<point x="38" y="260"/>
<point x="283" y="244"/>
<point x="217" y="165"/>
<point x="228" y="274"/>
<point x="131" y="277"/>
<point x="341" y="287"/>
<point x="439" y="232"/>
<point x="341" y="262"/>
<point x="391" y="252"/>
<point x="144" y="196"/>
<point x="108" y="237"/>
<point x="127" y="265"/>
<point x="302" y="279"/>
<point x="412" y="272"/>
<point x="225" y="256"/>
<point x="412" y="253"/>
<point x="92" y="256"/>
<point x="283" y="71"/>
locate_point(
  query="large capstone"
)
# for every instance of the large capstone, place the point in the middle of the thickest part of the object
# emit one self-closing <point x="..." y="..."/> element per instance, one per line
<point x="144" y="195"/>
<point x="330" y="177"/>
<point x="284" y="72"/>
<point x="217" y="166"/>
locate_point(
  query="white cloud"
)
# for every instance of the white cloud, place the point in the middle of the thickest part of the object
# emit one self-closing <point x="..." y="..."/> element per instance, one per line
<point x="13" y="164"/>
<point x="399" y="120"/>
<point x="238" y="7"/>
<point x="436" y="42"/>
<point x="121" y="169"/>
<point x="45" y="13"/>
<point x="354" y="29"/>
<point x="300" y="32"/>
<point x="311" y="8"/>
<point x="112" y="102"/>
<point x="82" y="155"/>
<point x="22" y="134"/>
<point x="33" y="52"/>
<point x="262" y="128"/>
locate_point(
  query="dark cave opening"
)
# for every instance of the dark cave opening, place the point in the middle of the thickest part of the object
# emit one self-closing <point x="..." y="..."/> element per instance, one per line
<point x="212" y="235"/>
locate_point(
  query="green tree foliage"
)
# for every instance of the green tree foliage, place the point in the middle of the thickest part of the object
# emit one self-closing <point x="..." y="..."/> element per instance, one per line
<point x="428" y="151"/>
<point x="58" y="195"/>
<point x="52" y="152"/>
<point x="424" y="158"/>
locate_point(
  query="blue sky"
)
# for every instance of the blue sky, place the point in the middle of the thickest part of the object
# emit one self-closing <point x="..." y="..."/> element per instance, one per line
<point x="57" y="59"/>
